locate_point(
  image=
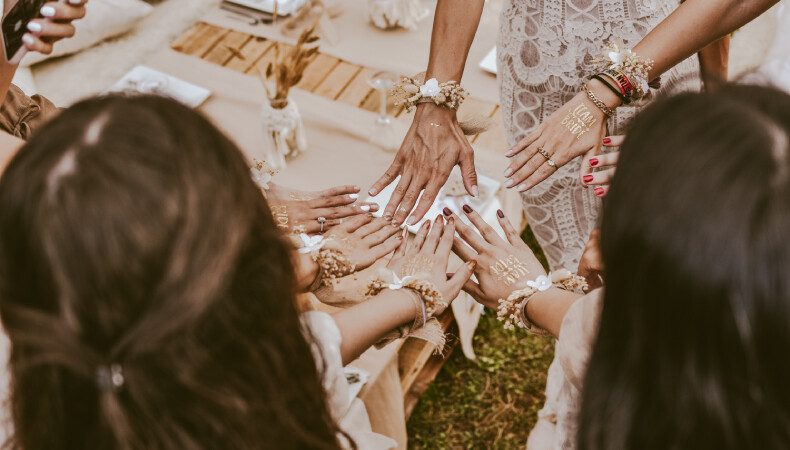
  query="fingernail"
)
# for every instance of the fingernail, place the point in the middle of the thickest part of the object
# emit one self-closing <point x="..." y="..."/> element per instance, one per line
<point x="593" y="162"/>
<point x="475" y="191"/>
<point x="522" y="188"/>
<point x="412" y="220"/>
<point x="451" y="221"/>
<point x="587" y="178"/>
<point x="28" y="39"/>
<point x="447" y="211"/>
<point x="34" y="27"/>
<point x="598" y="191"/>
<point x="374" y="207"/>
<point x="509" y="183"/>
<point x="373" y="192"/>
<point x="606" y="140"/>
<point x="356" y="188"/>
<point x="365" y="208"/>
<point x="387" y="216"/>
<point x="75" y="2"/>
<point x="508" y="172"/>
<point x="48" y="11"/>
<point x="472" y="264"/>
<point x="426" y="224"/>
<point x="353" y="196"/>
<point x="500" y="214"/>
<point x="467" y="209"/>
<point x="405" y="233"/>
<point x="439" y="219"/>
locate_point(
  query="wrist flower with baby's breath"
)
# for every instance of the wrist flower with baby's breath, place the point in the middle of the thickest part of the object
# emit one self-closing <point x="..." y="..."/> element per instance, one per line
<point x="288" y="67"/>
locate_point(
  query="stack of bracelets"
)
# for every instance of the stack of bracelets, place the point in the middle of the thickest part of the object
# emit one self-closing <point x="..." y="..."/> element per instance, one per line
<point x="624" y="73"/>
<point x="410" y="92"/>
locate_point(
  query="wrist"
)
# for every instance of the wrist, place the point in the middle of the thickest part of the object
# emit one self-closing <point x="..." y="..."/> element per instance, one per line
<point x="604" y="94"/>
<point x="404" y="305"/>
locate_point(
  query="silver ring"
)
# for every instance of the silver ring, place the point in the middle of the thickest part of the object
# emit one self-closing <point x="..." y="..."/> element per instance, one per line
<point x="322" y="221"/>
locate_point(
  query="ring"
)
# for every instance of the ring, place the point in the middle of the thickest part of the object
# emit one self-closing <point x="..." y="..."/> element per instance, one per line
<point x="322" y="221"/>
<point x="545" y="154"/>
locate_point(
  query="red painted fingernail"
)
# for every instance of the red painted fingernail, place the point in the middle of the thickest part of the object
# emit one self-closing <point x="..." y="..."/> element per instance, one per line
<point x="593" y="162"/>
<point x="500" y="214"/>
<point x="467" y="209"/>
<point x="606" y="140"/>
<point x="598" y="191"/>
<point x="447" y="211"/>
<point x="587" y="178"/>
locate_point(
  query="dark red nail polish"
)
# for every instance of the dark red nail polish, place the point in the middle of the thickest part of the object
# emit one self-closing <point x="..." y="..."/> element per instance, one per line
<point x="593" y="162"/>
<point x="467" y="209"/>
<point x="606" y="140"/>
<point x="447" y="211"/>
<point x="587" y="178"/>
<point x="598" y="191"/>
<point x="500" y="214"/>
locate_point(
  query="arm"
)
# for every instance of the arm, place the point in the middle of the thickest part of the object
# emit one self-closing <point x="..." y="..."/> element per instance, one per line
<point x="713" y="62"/>
<point x="435" y="142"/>
<point x="547" y="309"/>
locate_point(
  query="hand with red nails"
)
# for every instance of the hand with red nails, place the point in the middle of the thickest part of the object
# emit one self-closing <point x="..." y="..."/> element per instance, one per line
<point x="432" y="147"/>
<point x="428" y="253"/>
<point x="600" y="180"/>
<point x="502" y="265"/>
<point x="304" y="208"/>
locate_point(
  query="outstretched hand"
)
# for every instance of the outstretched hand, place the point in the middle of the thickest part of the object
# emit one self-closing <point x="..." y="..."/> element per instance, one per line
<point x="432" y="147"/>
<point x="365" y="240"/>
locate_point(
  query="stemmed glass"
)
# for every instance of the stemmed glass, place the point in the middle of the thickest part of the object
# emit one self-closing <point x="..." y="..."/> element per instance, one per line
<point x="383" y="133"/>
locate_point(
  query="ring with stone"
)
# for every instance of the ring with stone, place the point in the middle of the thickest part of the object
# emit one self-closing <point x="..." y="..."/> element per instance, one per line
<point x="322" y="221"/>
<point x="546" y="155"/>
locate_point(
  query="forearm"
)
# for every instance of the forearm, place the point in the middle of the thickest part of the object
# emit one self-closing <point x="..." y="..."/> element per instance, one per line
<point x="365" y="323"/>
<point x="713" y="62"/>
<point x="7" y="72"/>
<point x="546" y="309"/>
<point x="454" y="27"/>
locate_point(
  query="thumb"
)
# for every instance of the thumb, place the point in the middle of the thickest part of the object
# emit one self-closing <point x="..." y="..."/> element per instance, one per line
<point x="461" y="276"/>
<point x="468" y="172"/>
<point x="473" y="289"/>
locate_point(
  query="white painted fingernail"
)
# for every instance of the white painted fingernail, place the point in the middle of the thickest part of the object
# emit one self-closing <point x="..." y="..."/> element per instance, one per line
<point x="509" y="183"/>
<point x="475" y="191"/>
<point x="365" y="208"/>
<point x="75" y="2"/>
<point x="353" y="196"/>
<point x="34" y="27"/>
<point x="412" y="220"/>
<point x="522" y="188"/>
<point x="48" y="11"/>
<point x="28" y="39"/>
<point x="373" y="192"/>
<point x="508" y="172"/>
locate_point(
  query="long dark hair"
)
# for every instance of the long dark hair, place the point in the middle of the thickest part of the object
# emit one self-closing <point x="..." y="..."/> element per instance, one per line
<point x="693" y="350"/>
<point x="146" y="292"/>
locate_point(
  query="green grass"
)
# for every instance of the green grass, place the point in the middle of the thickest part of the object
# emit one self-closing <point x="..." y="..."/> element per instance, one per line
<point x="491" y="402"/>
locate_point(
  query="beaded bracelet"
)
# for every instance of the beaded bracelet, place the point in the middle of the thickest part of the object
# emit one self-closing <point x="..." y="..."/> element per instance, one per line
<point x="410" y="92"/>
<point x="609" y="112"/>
<point x="511" y="310"/>
<point x="332" y="263"/>
<point x="616" y="91"/>
<point x="427" y="291"/>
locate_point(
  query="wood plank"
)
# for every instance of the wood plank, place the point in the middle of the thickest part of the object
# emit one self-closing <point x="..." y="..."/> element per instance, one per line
<point x="358" y="89"/>
<point x="189" y="35"/>
<point x="494" y="139"/>
<point x="315" y="73"/>
<point x="201" y="41"/>
<point x="335" y="83"/>
<point x="252" y="51"/>
<point x="373" y="100"/>
<point x="230" y="45"/>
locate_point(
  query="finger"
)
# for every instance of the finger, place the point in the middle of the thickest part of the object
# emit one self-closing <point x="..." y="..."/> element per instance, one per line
<point x="468" y="173"/>
<point x="601" y="191"/>
<point x="463" y="250"/>
<point x="485" y="229"/>
<point x="332" y="201"/>
<point x="510" y="232"/>
<point x="408" y="202"/>
<point x="585" y="168"/>
<point x="339" y="212"/>
<point x="404" y="244"/>
<point x="337" y="190"/>
<point x="371" y="227"/>
<point x="369" y="207"/>
<point x="469" y="235"/>
<point x="613" y="141"/>
<point x="62" y="11"/>
<point x="446" y="241"/>
<point x="539" y="175"/>
<point x="602" y="177"/>
<point x="382" y="235"/>
<point x="430" y="243"/>
<point x="522" y="172"/>
<point x="606" y="159"/>
<point x="473" y="289"/>
<point x="427" y="198"/>
<point x="461" y="276"/>
<point x="47" y="28"/>
<point x="35" y="44"/>
<point x="531" y="137"/>
<point x="419" y="238"/>
<point x="385" y="180"/>
<point x="393" y="243"/>
<point x="397" y="195"/>
<point x="352" y="224"/>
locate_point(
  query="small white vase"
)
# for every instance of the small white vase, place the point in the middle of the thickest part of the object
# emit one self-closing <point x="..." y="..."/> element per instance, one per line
<point x="389" y="14"/>
<point x="284" y="135"/>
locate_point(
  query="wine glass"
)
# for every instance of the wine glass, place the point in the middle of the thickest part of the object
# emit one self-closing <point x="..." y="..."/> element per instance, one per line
<point x="383" y="133"/>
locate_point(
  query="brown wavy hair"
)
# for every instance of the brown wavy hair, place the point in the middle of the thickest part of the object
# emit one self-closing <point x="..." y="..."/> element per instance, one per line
<point x="132" y="234"/>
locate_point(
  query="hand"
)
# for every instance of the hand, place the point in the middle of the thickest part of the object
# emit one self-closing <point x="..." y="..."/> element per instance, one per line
<point x="364" y="240"/>
<point x="302" y="209"/>
<point x="591" y="263"/>
<point x="432" y="147"/>
<point x="602" y="178"/>
<point x="53" y="26"/>
<point x="573" y="130"/>
<point x="428" y="253"/>
<point x="502" y="266"/>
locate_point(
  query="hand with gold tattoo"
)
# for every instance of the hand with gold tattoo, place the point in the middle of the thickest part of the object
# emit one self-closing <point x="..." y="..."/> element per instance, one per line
<point x="426" y="256"/>
<point x="301" y="212"/>
<point x="502" y="266"/>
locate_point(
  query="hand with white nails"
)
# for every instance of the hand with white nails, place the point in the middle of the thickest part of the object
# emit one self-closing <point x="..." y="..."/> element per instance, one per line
<point x="54" y="24"/>
<point x="303" y="209"/>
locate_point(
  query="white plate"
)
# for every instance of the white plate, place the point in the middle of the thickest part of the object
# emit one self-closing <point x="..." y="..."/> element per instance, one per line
<point x="146" y="80"/>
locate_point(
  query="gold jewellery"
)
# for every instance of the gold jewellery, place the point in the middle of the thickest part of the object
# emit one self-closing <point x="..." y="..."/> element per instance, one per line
<point x="509" y="270"/>
<point x="546" y="155"/>
<point x="609" y="112"/>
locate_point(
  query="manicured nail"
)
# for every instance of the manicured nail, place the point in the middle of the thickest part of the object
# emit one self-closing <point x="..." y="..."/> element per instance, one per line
<point x="374" y="207"/>
<point x="509" y="183"/>
<point x="34" y="27"/>
<point x="365" y="208"/>
<point x="356" y="188"/>
<point x="447" y="211"/>
<point x="467" y="209"/>
<point x="587" y="178"/>
<point x="508" y="172"/>
<point x="28" y="39"/>
<point x="606" y="140"/>
<point x="598" y="191"/>
<point x="75" y="2"/>
<point x="593" y="162"/>
<point x="373" y="192"/>
<point x="387" y="216"/>
<point x="353" y="196"/>
<point x="450" y="221"/>
<point x="522" y="188"/>
<point x="439" y="219"/>
<point x="405" y="232"/>
<point x="472" y="264"/>
<point x="500" y="214"/>
<point x="412" y="220"/>
<point x="475" y="191"/>
<point x="48" y="11"/>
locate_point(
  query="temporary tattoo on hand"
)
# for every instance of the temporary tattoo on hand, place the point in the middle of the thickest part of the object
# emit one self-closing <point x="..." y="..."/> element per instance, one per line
<point x="509" y="270"/>
<point x="579" y="120"/>
<point x="417" y="264"/>
<point x="280" y="214"/>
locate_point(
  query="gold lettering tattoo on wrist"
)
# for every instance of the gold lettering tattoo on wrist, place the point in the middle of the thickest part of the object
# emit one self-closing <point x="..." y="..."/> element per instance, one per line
<point x="579" y="120"/>
<point x="509" y="270"/>
<point x="280" y="213"/>
<point x="417" y="264"/>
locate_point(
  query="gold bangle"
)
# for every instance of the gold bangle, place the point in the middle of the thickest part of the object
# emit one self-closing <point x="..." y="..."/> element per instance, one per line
<point x="609" y="112"/>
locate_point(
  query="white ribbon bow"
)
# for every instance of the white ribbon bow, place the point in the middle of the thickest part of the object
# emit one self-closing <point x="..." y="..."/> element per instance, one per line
<point x="311" y="243"/>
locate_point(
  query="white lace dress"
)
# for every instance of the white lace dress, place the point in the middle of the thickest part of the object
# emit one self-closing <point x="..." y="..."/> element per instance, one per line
<point x="543" y="55"/>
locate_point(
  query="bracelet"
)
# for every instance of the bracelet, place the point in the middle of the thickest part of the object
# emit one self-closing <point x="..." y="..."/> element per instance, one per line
<point x="511" y="310"/>
<point x="622" y="81"/>
<point x="609" y="112"/>
<point x="387" y="279"/>
<point x="616" y="91"/>
<point x="410" y="91"/>
<point x="636" y="69"/>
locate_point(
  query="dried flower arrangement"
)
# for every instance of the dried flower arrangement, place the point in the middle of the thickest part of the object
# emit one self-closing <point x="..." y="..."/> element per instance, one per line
<point x="289" y="67"/>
